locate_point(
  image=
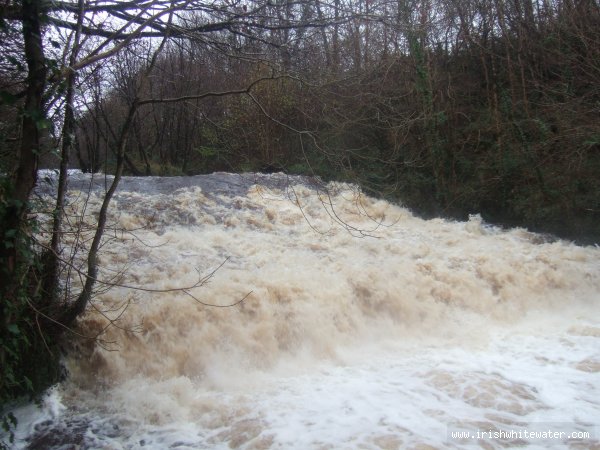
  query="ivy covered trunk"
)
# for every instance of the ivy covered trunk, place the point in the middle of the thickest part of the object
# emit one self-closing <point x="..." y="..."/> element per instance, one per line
<point x="24" y="350"/>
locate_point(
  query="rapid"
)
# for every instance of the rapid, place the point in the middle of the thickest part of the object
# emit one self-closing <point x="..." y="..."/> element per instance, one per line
<point x="277" y="312"/>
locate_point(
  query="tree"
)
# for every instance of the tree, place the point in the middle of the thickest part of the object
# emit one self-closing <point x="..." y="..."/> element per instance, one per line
<point x="94" y="33"/>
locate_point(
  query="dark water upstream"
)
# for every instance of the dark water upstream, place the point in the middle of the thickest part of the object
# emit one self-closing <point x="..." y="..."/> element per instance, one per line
<point x="362" y="326"/>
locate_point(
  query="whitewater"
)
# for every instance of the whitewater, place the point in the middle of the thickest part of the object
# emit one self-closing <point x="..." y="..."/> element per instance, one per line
<point x="280" y="312"/>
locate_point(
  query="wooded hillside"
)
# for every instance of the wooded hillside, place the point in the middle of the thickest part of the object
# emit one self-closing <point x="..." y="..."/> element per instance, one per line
<point x="450" y="107"/>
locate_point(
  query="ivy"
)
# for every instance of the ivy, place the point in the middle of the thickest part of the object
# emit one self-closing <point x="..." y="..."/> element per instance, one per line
<point x="27" y="366"/>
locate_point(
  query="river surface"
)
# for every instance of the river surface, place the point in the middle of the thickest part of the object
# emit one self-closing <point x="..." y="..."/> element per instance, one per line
<point x="354" y="325"/>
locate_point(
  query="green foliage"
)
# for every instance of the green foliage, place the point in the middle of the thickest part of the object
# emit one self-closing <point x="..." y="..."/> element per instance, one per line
<point x="208" y="156"/>
<point x="40" y="119"/>
<point x="9" y="423"/>
<point x="207" y="152"/>
<point x="299" y="169"/>
<point x="592" y="141"/>
<point x="28" y="347"/>
<point x="7" y="98"/>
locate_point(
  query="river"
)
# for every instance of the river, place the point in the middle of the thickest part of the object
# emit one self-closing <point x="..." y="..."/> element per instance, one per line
<point x="354" y="325"/>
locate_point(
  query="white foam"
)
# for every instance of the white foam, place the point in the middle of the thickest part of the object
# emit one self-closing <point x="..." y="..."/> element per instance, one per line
<point x="366" y="327"/>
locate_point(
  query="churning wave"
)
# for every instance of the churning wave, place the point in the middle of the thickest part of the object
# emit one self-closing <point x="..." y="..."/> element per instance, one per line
<point x="355" y="324"/>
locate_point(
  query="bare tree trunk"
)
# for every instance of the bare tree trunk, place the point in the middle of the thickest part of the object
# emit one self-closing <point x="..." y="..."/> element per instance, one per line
<point x="325" y="40"/>
<point x="51" y="260"/>
<point x="336" y="38"/>
<point x="86" y="294"/>
<point x="78" y="307"/>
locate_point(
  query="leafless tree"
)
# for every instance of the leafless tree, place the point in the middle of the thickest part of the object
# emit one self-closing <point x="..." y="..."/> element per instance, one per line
<point x="63" y="49"/>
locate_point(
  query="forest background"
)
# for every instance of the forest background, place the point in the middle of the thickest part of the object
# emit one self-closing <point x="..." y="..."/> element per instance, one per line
<point x="450" y="107"/>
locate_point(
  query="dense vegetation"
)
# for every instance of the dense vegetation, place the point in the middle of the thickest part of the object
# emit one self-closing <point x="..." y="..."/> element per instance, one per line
<point x="451" y="108"/>
<point x="448" y="106"/>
